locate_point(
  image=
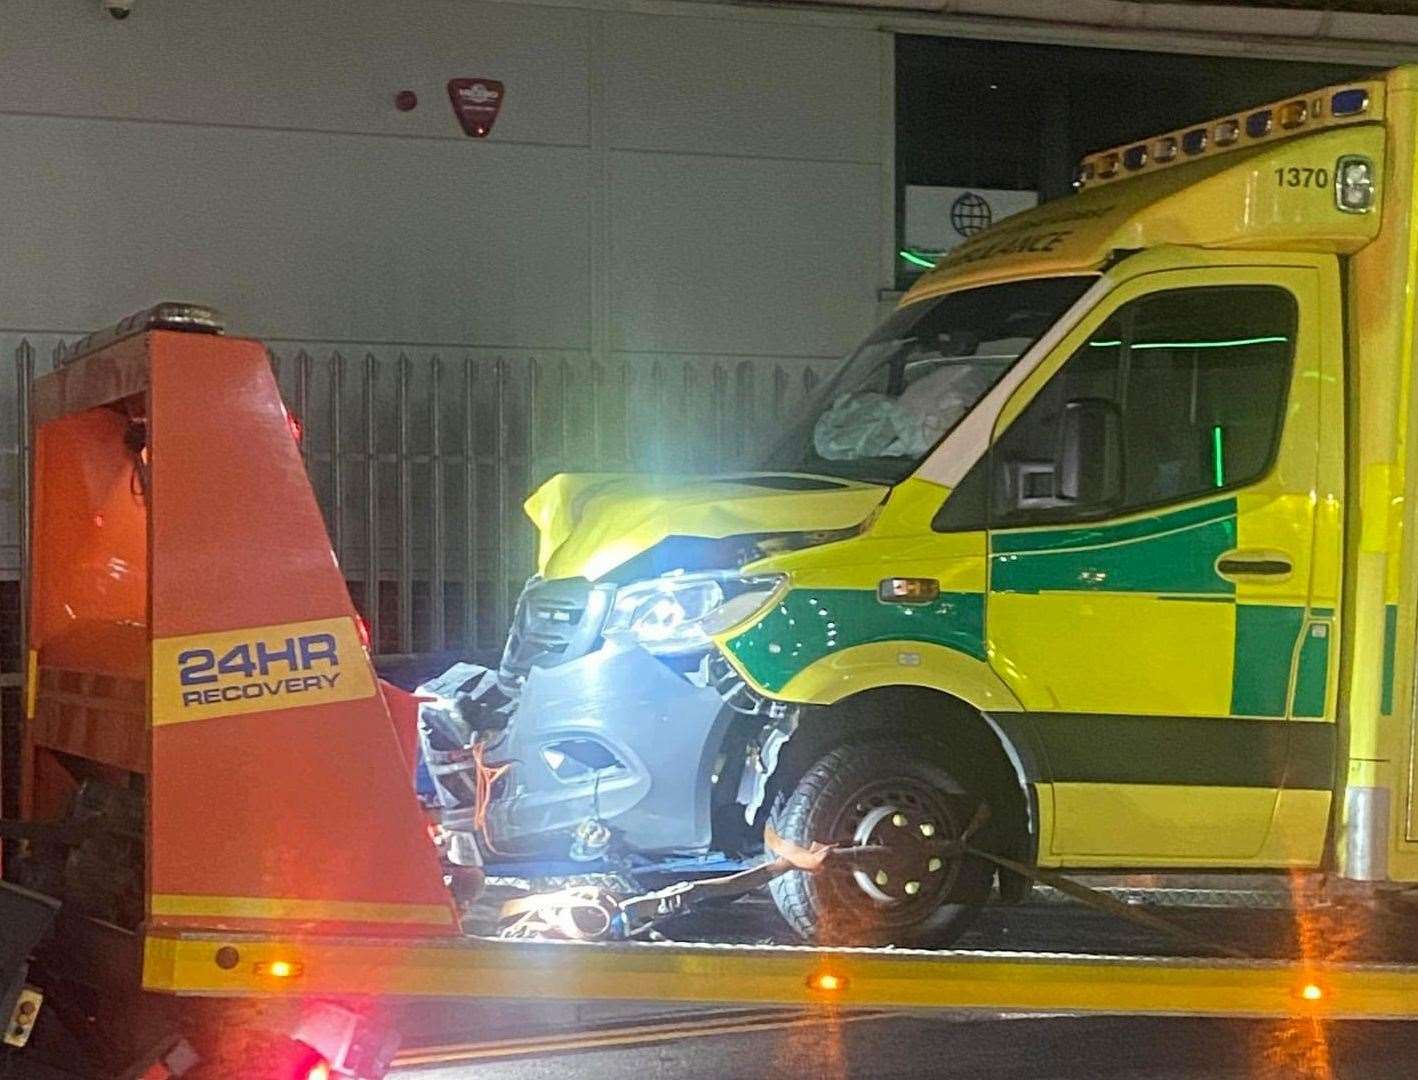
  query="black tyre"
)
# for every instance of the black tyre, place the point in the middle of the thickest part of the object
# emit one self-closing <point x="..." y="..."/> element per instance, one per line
<point x="896" y="797"/>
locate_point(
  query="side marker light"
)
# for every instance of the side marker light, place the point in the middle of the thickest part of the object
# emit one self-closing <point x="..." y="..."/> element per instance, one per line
<point x="1311" y="992"/>
<point x="827" y="982"/>
<point x="1354" y="184"/>
<point x="908" y="590"/>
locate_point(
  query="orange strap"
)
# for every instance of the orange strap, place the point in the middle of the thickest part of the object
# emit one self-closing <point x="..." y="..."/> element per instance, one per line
<point x="486" y="775"/>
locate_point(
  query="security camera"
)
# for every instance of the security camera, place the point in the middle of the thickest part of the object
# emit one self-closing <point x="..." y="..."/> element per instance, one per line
<point x="119" y="9"/>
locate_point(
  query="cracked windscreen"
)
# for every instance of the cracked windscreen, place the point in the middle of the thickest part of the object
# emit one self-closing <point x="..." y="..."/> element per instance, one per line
<point x="917" y="376"/>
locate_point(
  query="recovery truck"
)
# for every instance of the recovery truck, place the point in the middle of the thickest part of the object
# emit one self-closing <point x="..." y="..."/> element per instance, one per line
<point x="1105" y="531"/>
<point x="1131" y="588"/>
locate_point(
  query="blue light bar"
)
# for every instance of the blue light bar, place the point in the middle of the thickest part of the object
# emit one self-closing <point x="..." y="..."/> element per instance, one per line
<point x="1349" y="102"/>
<point x="1258" y="124"/>
<point x="1324" y="108"/>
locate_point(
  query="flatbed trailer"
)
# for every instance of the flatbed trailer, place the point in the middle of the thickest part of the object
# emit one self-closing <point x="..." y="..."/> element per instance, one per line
<point x="791" y="975"/>
<point x="227" y="786"/>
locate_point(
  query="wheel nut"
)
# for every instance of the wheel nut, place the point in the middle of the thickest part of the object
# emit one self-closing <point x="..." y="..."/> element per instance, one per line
<point x="881" y="878"/>
<point x="912" y="888"/>
<point x="934" y="865"/>
<point x="927" y="829"/>
<point x="899" y="820"/>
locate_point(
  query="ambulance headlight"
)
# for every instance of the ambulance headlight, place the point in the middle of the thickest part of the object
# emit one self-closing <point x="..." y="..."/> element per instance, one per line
<point x="1354" y="184"/>
<point x="679" y="613"/>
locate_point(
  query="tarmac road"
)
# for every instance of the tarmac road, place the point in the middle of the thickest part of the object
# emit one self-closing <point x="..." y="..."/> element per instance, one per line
<point x="948" y="1047"/>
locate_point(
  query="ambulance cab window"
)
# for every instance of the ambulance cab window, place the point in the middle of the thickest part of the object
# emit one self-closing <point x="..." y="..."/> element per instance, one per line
<point x="1179" y="395"/>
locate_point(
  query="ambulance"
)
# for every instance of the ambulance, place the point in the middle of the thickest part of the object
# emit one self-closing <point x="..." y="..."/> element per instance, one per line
<point x="1097" y="555"/>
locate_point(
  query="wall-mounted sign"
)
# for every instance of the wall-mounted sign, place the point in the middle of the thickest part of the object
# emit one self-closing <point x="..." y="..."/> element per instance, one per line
<point x="939" y="218"/>
<point x="475" y="104"/>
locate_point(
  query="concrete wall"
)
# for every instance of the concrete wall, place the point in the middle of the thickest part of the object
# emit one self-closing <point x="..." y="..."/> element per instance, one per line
<point x="662" y="194"/>
<point x="719" y="180"/>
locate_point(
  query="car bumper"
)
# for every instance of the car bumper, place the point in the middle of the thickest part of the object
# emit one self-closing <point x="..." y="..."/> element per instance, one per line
<point x="614" y="737"/>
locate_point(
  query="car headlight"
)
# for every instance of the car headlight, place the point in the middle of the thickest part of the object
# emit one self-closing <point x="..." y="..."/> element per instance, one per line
<point x="679" y="613"/>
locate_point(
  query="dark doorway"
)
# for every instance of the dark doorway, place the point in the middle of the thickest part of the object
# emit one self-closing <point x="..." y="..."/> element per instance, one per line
<point x="999" y="115"/>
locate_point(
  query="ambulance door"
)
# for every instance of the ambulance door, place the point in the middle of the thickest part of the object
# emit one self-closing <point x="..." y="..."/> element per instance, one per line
<point x="1152" y="519"/>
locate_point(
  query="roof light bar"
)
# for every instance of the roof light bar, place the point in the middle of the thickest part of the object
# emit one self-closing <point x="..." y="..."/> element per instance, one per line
<point x="1321" y="109"/>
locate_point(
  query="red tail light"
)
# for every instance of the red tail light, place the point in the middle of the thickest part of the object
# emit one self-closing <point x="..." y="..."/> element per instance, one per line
<point x="293" y="422"/>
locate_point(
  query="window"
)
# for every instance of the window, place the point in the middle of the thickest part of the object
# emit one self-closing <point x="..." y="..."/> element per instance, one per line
<point x="917" y="375"/>
<point x="1186" y="394"/>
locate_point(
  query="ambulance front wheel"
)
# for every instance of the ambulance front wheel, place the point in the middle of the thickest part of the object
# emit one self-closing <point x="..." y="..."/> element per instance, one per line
<point x="909" y="888"/>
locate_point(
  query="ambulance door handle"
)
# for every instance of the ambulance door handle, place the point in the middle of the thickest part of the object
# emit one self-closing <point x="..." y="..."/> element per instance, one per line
<point x="1241" y="563"/>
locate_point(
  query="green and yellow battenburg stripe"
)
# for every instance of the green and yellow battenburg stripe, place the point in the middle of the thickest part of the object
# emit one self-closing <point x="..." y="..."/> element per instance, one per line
<point x="810" y="624"/>
<point x="1169" y="556"/>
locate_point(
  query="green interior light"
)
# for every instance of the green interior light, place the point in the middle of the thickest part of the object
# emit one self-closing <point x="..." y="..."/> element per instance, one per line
<point x="915" y="259"/>
<point x="1232" y="344"/>
<point x="1218" y="455"/>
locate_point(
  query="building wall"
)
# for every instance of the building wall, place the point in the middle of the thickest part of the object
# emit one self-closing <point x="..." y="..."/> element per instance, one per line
<point x="661" y="195"/>
<point x="250" y="153"/>
<point x="683" y="217"/>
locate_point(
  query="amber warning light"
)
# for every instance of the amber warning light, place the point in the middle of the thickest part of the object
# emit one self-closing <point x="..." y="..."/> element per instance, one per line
<point x="476" y="103"/>
<point x="827" y="982"/>
<point x="280" y="969"/>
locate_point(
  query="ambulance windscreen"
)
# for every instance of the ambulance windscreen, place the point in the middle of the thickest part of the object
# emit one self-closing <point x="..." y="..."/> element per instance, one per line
<point x="917" y="376"/>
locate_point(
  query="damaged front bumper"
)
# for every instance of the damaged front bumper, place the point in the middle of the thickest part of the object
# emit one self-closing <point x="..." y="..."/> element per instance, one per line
<point x="614" y="738"/>
<point x="612" y="751"/>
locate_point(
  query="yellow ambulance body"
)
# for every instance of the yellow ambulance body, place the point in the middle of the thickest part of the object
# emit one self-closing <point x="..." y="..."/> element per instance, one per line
<point x="1155" y="547"/>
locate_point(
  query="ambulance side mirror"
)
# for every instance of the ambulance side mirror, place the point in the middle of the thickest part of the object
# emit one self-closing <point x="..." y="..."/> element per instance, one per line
<point x="1090" y="461"/>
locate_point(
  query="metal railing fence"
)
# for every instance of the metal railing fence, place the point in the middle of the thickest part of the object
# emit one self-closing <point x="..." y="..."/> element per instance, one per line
<point x="432" y="453"/>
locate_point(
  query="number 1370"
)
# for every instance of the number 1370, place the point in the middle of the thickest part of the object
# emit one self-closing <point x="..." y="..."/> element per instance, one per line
<point x="1296" y="176"/>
